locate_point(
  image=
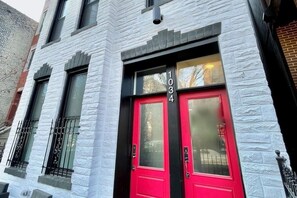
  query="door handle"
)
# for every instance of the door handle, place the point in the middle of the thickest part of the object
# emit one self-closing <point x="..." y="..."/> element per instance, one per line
<point x="186" y="161"/>
<point x="133" y="151"/>
<point x="133" y="157"/>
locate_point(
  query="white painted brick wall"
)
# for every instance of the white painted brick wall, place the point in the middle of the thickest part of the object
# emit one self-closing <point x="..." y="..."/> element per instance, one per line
<point x="121" y="26"/>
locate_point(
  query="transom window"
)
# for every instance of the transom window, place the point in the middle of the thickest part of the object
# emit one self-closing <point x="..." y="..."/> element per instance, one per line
<point x="197" y="72"/>
<point x="150" y="81"/>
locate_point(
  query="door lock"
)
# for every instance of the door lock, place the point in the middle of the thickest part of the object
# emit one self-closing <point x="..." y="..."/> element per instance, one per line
<point x="186" y="161"/>
<point x="133" y="151"/>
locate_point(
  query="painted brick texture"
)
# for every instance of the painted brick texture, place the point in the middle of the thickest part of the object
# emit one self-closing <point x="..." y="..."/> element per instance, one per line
<point x="16" y="33"/>
<point x="288" y="38"/>
<point x="120" y="27"/>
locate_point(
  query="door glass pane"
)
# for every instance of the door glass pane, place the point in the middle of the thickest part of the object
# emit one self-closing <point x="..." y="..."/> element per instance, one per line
<point x="151" y="135"/>
<point x="208" y="139"/>
<point x="150" y="81"/>
<point x="75" y="95"/>
<point x="199" y="72"/>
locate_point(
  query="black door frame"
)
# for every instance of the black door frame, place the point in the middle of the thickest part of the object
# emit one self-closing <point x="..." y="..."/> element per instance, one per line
<point x="124" y="141"/>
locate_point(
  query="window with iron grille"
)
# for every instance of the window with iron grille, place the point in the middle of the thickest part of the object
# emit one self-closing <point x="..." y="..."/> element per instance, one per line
<point x="89" y="13"/>
<point x="26" y="129"/>
<point x="64" y="131"/>
<point x="58" y="21"/>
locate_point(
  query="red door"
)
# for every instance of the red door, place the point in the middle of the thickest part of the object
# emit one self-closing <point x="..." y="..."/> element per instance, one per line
<point x="211" y="167"/>
<point x="150" y="166"/>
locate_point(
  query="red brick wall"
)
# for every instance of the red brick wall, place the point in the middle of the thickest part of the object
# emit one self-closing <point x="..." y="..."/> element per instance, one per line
<point x="288" y="39"/>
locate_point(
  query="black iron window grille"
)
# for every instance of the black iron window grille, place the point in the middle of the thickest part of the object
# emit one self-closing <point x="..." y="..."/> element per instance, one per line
<point x="288" y="176"/>
<point x="61" y="147"/>
<point x="22" y="142"/>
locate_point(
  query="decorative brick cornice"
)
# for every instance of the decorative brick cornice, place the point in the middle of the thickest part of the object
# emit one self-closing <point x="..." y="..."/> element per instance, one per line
<point x="168" y="39"/>
<point x="43" y="72"/>
<point x="78" y="60"/>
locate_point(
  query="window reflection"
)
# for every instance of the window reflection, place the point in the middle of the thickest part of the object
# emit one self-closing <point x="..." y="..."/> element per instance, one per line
<point x="151" y="81"/>
<point x="200" y="72"/>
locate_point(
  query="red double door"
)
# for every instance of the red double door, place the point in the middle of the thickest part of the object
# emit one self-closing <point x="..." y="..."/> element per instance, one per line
<point x="210" y="161"/>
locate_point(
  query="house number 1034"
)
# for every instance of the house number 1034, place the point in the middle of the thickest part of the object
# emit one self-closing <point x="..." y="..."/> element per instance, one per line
<point x="170" y="83"/>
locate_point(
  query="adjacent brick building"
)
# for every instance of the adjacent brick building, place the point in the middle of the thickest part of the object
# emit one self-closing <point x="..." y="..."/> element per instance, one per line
<point x="16" y="33"/>
<point x="116" y="106"/>
<point x="274" y="24"/>
<point x="287" y="35"/>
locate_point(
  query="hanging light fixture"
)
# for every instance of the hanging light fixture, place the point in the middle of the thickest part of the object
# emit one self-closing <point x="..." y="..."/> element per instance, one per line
<point x="157" y="16"/>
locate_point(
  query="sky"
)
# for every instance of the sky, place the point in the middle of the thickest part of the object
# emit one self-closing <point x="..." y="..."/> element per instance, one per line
<point x="31" y="8"/>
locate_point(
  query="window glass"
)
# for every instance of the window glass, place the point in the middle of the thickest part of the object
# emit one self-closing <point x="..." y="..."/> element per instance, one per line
<point x="89" y="13"/>
<point x="208" y="138"/>
<point x="64" y="8"/>
<point x="29" y="137"/>
<point x="151" y="135"/>
<point x="150" y="3"/>
<point x="58" y="21"/>
<point x="57" y="29"/>
<point x="71" y="115"/>
<point x="69" y="143"/>
<point x="150" y="81"/>
<point x="29" y="126"/>
<point x="75" y="94"/>
<point x="41" y="23"/>
<point x="30" y="59"/>
<point x="200" y="72"/>
<point x="38" y="100"/>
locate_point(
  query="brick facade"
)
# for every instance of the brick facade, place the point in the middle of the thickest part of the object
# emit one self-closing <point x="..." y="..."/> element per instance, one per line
<point x="120" y="27"/>
<point x="23" y="76"/>
<point x="288" y="38"/>
<point x="16" y="33"/>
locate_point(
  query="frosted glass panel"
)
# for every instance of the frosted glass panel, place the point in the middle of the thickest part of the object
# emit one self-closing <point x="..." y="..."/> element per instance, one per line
<point x="208" y="142"/>
<point x="151" y="135"/>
